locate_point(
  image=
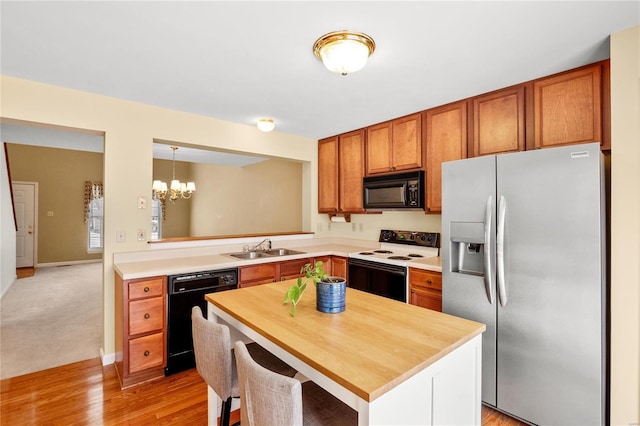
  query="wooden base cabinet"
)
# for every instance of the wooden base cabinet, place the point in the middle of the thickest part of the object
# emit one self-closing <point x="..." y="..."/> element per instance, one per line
<point x="335" y="266"/>
<point x="140" y="319"/>
<point x="425" y="289"/>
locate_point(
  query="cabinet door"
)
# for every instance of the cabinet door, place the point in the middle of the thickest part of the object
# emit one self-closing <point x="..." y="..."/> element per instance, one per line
<point x="326" y="264"/>
<point x="328" y="175"/>
<point x="498" y="122"/>
<point x="379" y="157"/>
<point x="425" y="298"/>
<point x="339" y="267"/>
<point x="351" y="149"/>
<point x="446" y="140"/>
<point x="568" y="108"/>
<point x="407" y="143"/>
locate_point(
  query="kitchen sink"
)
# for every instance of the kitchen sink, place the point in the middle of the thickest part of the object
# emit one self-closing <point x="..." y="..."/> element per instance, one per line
<point x="282" y="252"/>
<point x="249" y="255"/>
<point x="263" y="253"/>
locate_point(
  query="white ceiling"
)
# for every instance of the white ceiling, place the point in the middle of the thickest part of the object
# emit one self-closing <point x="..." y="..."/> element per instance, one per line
<point x="242" y="60"/>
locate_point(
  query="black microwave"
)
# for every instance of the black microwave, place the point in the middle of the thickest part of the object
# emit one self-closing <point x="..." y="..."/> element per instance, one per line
<point x="401" y="191"/>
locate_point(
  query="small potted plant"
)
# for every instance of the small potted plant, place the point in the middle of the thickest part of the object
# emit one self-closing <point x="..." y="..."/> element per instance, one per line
<point x="330" y="291"/>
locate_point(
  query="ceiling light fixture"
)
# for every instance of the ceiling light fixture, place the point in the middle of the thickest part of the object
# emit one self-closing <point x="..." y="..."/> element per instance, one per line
<point x="344" y="52"/>
<point x="177" y="189"/>
<point x="266" y="124"/>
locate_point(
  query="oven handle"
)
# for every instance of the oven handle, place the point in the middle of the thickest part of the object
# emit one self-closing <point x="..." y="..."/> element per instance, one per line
<point x="394" y="269"/>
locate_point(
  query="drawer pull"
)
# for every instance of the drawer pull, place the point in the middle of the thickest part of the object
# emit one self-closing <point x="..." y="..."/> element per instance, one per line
<point x="146" y="353"/>
<point x="147" y="316"/>
<point x="429" y="281"/>
<point x="146" y="289"/>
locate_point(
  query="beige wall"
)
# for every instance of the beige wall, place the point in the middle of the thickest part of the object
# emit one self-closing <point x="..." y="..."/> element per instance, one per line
<point x="258" y="198"/>
<point x="61" y="174"/>
<point x="625" y="227"/>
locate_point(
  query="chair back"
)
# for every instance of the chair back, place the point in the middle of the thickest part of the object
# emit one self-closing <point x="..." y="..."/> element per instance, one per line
<point x="268" y="398"/>
<point x="212" y="348"/>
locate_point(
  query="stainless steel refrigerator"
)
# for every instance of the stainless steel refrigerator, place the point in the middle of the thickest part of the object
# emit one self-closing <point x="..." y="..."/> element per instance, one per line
<point x="523" y="247"/>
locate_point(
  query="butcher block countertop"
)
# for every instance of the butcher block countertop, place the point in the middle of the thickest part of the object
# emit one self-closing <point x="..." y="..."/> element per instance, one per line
<point x="370" y="348"/>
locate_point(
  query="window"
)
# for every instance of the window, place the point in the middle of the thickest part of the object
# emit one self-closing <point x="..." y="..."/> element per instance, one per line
<point x="95" y="224"/>
<point x="156" y="219"/>
<point x="93" y="215"/>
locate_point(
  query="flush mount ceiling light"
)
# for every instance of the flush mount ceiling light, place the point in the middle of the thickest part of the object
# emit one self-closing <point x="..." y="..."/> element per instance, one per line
<point x="344" y="52"/>
<point x="266" y="124"/>
<point x="177" y="189"/>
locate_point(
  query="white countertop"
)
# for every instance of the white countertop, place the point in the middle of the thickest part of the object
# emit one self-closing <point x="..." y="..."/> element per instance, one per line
<point x="171" y="262"/>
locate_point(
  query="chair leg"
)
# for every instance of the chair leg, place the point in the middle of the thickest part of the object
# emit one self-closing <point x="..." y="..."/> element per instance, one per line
<point x="225" y="414"/>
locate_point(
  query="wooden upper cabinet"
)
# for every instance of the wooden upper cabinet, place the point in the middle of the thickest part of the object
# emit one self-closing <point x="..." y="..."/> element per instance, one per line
<point x="379" y="148"/>
<point x="499" y="122"/>
<point x="395" y="145"/>
<point x="445" y="128"/>
<point x="567" y="108"/>
<point x="351" y="154"/>
<point x="328" y="175"/>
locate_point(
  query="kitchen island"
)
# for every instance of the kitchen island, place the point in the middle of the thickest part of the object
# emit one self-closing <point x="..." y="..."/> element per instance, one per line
<point x="392" y="362"/>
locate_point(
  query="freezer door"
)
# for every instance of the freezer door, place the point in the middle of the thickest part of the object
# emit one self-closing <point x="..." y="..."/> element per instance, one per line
<point x="468" y="253"/>
<point x="550" y="329"/>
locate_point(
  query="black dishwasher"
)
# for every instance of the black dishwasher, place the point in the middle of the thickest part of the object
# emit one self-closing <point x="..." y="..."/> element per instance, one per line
<point x="185" y="292"/>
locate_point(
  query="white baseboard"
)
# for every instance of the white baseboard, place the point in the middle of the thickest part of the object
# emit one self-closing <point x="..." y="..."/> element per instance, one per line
<point x="70" y="262"/>
<point x="107" y="359"/>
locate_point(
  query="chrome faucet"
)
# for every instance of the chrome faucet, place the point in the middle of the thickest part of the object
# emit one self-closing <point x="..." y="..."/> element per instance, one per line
<point x="257" y="246"/>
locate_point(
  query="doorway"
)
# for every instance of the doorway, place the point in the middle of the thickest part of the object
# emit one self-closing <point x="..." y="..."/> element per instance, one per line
<point x="25" y="201"/>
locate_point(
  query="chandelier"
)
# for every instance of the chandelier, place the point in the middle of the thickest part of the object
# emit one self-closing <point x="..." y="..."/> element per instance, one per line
<point x="177" y="189"/>
<point x="344" y="52"/>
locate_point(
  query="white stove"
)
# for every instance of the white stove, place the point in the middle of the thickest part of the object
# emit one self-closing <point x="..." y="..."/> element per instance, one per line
<point x="401" y="247"/>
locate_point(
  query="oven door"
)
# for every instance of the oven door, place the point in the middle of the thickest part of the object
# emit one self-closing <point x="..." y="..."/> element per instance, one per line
<point x="378" y="278"/>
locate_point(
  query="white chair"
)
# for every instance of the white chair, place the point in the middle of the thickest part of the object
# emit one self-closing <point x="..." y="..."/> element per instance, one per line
<point x="216" y="364"/>
<point x="269" y="398"/>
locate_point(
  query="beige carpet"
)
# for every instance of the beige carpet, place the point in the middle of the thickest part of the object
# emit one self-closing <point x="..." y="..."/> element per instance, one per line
<point x="53" y="318"/>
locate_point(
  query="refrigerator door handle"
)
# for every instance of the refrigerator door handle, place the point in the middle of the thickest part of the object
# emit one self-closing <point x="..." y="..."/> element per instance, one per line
<point x="488" y="285"/>
<point x="502" y="291"/>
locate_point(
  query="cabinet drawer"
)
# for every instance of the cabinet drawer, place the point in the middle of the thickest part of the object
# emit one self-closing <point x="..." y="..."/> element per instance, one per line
<point x="257" y="272"/>
<point x="146" y="352"/>
<point x="425" y="279"/>
<point x="146" y="315"/>
<point x="146" y="288"/>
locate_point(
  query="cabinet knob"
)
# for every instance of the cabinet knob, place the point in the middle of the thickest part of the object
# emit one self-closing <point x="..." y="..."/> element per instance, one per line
<point x="429" y="281"/>
<point x="147" y="316"/>
<point x="146" y="289"/>
<point x="413" y="291"/>
<point x="146" y="353"/>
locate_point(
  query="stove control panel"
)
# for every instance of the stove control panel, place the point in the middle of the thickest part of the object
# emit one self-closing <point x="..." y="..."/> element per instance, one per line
<point x="416" y="238"/>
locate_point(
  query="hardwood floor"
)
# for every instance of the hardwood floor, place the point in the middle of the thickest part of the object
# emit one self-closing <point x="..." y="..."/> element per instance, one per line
<point x="86" y="393"/>
<point x="25" y="272"/>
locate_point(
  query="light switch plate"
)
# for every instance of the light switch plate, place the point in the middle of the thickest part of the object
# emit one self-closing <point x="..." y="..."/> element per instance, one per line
<point x="141" y="235"/>
<point x="121" y="236"/>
